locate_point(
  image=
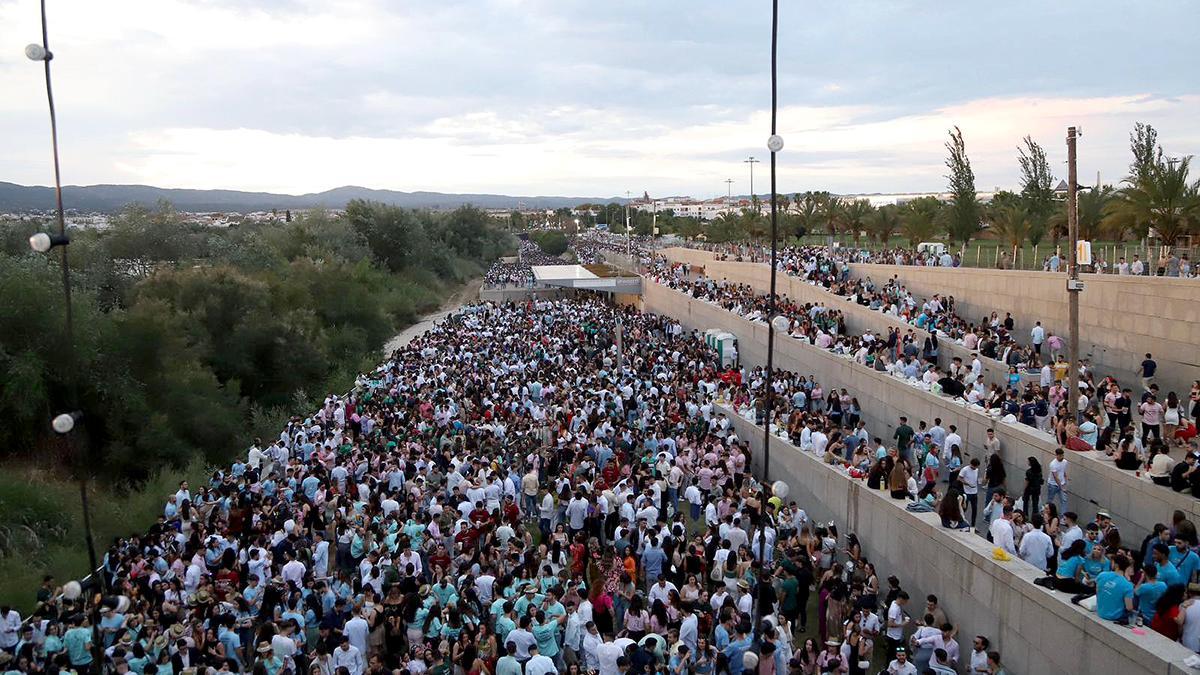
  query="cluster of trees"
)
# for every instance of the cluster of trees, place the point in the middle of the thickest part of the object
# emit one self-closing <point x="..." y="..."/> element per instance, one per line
<point x="188" y="339"/>
<point x="552" y="242"/>
<point x="1156" y="199"/>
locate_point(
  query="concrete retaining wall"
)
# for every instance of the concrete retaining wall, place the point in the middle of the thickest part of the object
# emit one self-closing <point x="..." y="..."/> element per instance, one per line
<point x="858" y="318"/>
<point x="1094" y="482"/>
<point x="1121" y="317"/>
<point x="1035" y="630"/>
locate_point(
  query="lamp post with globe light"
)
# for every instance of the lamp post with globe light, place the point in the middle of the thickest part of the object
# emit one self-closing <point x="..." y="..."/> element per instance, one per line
<point x="775" y="321"/>
<point x="42" y="242"/>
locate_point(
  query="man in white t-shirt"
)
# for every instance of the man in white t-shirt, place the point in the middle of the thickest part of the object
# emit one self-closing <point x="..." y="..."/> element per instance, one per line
<point x="896" y="620"/>
<point x="1056" y="483"/>
<point x="1002" y="531"/>
<point x="978" y="664"/>
<point x="968" y="476"/>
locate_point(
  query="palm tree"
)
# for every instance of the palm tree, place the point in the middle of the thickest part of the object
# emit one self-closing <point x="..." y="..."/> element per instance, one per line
<point x="1162" y="200"/>
<point x="855" y="215"/>
<point x="919" y="219"/>
<point x="885" y="222"/>
<point x="808" y="213"/>
<point x="1092" y="205"/>
<point x="1011" y="224"/>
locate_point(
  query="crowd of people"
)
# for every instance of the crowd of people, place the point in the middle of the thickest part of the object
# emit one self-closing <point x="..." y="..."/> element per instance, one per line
<point x="520" y="272"/>
<point x="505" y="494"/>
<point x="1171" y="264"/>
<point x="929" y="466"/>
<point x="1138" y="426"/>
<point x="590" y="246"/>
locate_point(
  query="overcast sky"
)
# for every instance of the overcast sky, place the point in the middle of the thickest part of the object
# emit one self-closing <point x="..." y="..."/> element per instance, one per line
<point x="586" y="97"/>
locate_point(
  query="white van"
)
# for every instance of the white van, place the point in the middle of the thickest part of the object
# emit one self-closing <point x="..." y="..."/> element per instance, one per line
<point x="933" y="247"/>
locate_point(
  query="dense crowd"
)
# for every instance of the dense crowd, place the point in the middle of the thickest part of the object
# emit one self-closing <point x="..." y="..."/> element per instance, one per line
<point x="520" y="272"/>
<point x="1120" y="420"/>
<point x="931" y="467"/>
<point x="505" y="494"/>
<point x="590" y="246"/>
<point x="1170" y="264"/>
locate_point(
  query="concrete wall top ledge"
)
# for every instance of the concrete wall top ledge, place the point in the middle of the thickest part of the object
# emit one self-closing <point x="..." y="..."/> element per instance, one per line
<point x="1135" y="502"/>
<point x="1159" y="653"/>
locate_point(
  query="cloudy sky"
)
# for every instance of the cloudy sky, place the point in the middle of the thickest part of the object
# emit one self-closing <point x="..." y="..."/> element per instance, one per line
<point x="586" y="97"/>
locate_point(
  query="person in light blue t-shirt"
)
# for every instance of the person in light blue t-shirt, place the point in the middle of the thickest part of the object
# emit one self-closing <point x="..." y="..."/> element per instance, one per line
<point x="1147" y="593"/>
<point x="1167" y="573"/>
<point x="1114" y="592"/>
<point x="1184" y="559"/>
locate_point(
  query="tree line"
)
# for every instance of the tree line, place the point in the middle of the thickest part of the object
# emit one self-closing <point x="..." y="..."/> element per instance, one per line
<point x="190" y="339"/>
<point x="1157" y="199"/>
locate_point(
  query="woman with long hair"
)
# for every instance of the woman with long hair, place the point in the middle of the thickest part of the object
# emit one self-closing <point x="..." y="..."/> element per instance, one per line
<point x="1032" y="491"/>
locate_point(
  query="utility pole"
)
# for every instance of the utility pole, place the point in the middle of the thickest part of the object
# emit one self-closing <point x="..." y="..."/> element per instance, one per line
<point x="751" y="161"/>
<point x="1073" y="276"/>
<point x="728" y="188"/>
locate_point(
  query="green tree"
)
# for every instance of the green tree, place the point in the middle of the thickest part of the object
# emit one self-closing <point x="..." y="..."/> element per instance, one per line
<point x="1010" y="225"/>
<point x="856" y="213"/>
<point x="1147" y="153"/>
<point x="1037" y="188"/>
<point x="1162" y="200"/>
<point x="552" y="242"/>
<point x="921" y="218"/>
<point x="884" y="222"/>
<point x="808" y="213"/>
<point x="963" y="221"/>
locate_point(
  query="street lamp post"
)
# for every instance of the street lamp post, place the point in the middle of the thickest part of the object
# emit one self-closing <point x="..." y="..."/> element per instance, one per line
<point x="751" y="161"/>
<point x="64" y="424"/>
<point x="774" y="144"/>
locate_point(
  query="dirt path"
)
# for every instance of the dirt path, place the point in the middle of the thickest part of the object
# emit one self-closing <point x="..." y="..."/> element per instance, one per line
<point x="465" y="295"/>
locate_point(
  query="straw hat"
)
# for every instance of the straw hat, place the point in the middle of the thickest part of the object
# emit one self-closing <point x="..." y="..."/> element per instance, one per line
<point x="264" y="647"/>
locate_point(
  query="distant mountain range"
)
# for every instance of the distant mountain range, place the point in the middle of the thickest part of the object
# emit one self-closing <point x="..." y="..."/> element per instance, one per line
<point x="111" y="198"/>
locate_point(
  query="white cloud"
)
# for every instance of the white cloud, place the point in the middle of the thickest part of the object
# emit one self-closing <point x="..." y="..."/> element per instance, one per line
<point x="487" y="151"/>
<point x="559" y="96"/>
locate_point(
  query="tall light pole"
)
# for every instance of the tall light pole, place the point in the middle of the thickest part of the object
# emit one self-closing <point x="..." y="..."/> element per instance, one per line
<point x="751" y="161"/>
<point x="1073" y="276"/>
<point x="774" y="144"/>
<point x="64" y="424"/>
<point x="728" y="188"/>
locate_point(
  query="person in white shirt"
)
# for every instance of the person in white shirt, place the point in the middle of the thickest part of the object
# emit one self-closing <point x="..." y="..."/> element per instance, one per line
<point x="349" y="657"/>
<point x="539" y="664"/>
<point x="978" y="665"/>
<point x="968" y="476"/>
<point x="357" y="630"/>
<point x="1002" y="531"/>
<point x="1037" y="336"/>
<point x="689" y="627"/>
<point x="10" y="627"/>
<point x="896" y="621"/>
<point x="1056" y="483"/>
<point x="608" y="653"/>
<point x="591" y="644"/>
<point x="1036" y="545"/>
<point x="661" y="591"/>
